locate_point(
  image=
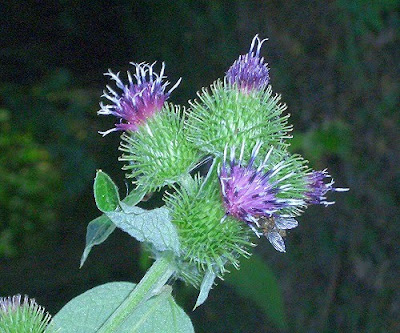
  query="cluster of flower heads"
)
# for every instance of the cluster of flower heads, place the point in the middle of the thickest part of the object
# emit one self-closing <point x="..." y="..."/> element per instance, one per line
<point x="256" y="195"/>
<point x="266" y="195"/>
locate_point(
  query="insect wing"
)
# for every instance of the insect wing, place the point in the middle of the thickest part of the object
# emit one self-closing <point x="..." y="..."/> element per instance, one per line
<point x="277" y="241"/>
<point x="286" y="223"/>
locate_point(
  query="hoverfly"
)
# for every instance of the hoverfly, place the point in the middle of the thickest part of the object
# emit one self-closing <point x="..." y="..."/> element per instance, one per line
<point x="267" y="225"/>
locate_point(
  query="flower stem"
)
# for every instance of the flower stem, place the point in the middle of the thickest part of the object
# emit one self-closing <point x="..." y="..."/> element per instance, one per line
<point x="154" y="279"/>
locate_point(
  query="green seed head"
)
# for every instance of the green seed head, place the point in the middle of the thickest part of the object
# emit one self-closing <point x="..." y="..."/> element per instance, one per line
<point x="209" y="239"/>
<point x="228" y="116"/>
<point x="158" y="153"/>
<point x="296" y="170"/>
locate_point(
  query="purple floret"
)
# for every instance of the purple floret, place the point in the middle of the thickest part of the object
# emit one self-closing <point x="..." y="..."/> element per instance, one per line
<point x="137" y="101"/>
<point x="250" y="194"/>
<point x="249" y="72"/>
<point x="317" y="188"/>
<point x="10" y="304"/>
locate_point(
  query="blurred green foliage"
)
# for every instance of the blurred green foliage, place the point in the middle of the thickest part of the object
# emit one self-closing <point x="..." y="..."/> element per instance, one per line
<point x="29" y="192"/>
<point x="55" y="112"/>
<point x="329" y="138"/>
<point x="257" y="282"/>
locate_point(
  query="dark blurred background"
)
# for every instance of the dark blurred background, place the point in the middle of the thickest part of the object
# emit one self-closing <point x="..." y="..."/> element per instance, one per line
<point x="336" y="63"/>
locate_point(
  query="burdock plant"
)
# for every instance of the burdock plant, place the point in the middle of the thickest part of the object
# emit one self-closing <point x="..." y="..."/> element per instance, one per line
<point x="228" y="180"/>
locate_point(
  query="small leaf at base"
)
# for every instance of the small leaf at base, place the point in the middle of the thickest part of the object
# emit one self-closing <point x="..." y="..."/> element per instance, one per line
<point x="97" y="232"/>
<point x="205" y="288"/>
<point x="105" y="192"/>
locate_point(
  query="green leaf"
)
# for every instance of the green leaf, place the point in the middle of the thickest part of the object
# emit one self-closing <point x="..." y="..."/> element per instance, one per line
<point x="158" y="314"/>
<point x="205" y="288"/>
<point x="87" y="312"/>
<point x="100" y="228"/>
<point x="256" y="281"/>
<point x="97" y="232"/>
<point x="152" y="226"/>
<point x="105" y="192"/>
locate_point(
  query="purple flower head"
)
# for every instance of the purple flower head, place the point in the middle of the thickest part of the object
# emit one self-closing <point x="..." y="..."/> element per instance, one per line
<point x="249" y="71"/>
<point x="137" y="101"/>
<point x="317" y="188"/>
<point x="251" y="195"/>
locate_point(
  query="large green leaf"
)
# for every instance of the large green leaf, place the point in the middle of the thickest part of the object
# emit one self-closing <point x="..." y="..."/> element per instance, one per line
<point x="152" y="226"/>
<point x="159" y="314"/>
<point x="105" y="192"/>
<point x="97" y="232"/>
<point x="87" y="312"/>
<point x="256" y="281"/>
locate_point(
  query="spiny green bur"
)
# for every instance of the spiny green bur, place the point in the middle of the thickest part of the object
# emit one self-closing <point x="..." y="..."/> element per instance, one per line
<point x="159" y="153"/>
<point x="26" y="318"/>
<point x="228" y="116"/>
<point x="299" y="167"/>
<point x="207" y="241"/>
<point x="295" y="165"/>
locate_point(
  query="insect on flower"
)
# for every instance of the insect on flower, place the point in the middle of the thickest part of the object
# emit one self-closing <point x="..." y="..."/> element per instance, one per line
<point x="274" y="229"/>
<point x="254" y="196"/>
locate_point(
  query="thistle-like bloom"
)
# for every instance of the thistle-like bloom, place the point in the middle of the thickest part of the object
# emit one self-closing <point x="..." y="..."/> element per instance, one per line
<point x="19" y="314"/>
<point x="317" y="188"/>
<point x="250" y="72"/>
<point x="138" y="101"/>
<point x="255" y="197"/>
